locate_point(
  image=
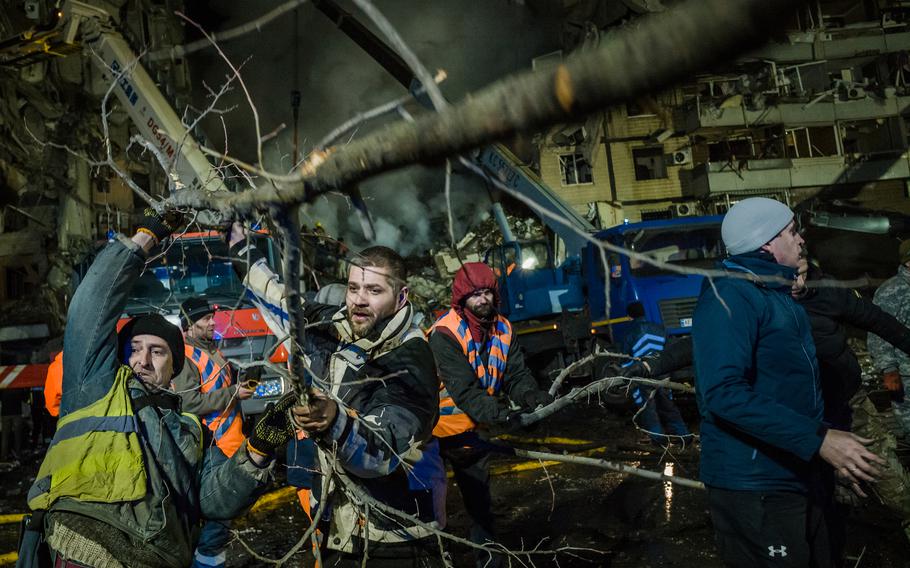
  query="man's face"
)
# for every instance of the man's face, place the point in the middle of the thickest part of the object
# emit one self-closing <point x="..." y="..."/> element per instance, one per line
<point x="204" y="328"/>
<point x="480" y="303"/>
<point x="371" y="297"/>
<point x="787" y="246"/>
<point x="151" y="360"/>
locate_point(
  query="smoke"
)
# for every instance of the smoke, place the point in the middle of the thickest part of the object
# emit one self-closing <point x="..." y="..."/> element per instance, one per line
<point x="408" y="209"/>
<point x="474" y="41"/>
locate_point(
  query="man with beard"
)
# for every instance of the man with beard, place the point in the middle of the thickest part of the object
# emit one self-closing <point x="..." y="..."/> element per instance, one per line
<point x="485" y="382"/>
<point x="206" y="388"/>
<point x="373" y="407"/>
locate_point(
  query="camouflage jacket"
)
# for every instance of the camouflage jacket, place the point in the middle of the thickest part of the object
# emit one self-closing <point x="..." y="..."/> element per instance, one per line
<point x="894" y="297"/>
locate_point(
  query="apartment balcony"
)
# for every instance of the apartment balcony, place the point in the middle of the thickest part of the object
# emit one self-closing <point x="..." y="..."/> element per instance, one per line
<point x="835" y="44"/>
<point x="795" y="113"/>
<point x="750" y="175"/>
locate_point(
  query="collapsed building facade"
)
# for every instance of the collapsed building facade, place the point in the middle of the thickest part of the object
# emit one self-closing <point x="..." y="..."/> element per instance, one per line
<point x="819" y="112"/>
<point x="60" y="198"/>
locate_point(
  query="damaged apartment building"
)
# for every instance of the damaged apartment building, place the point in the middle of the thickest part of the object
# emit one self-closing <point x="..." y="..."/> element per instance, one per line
<point x="821" y="111"/>
<point x="59" y="199"/>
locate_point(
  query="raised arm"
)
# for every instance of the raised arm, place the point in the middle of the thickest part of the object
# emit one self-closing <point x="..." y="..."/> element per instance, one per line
<point x="90" y="341"/>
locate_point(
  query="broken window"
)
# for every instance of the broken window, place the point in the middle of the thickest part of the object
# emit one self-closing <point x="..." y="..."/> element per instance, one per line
<point x="636" y="108"/>
<point x="649" y="163"/>
<point x="811" y="141"/>
<point x="575" y="169"/>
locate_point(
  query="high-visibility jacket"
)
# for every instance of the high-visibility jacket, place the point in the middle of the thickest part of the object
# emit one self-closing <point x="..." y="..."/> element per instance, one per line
<point x="453" y="420"/>
<point x="53" y="385"/>
<point x="226" y="425"/>
<point x="95" y="455"/>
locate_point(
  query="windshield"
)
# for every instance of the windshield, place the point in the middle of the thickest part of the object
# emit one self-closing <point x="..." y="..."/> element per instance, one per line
<point x="191" y="267"/>
<point x="694" y="246"/>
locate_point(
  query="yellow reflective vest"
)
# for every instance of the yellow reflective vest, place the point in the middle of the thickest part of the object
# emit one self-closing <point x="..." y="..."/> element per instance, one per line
<point x="95" y="455"/>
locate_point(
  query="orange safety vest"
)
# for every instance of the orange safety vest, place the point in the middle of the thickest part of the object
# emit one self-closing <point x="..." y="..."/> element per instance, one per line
<point x="53" y="386"/>
<point x="226" y="425"/>
<point x="453" y="420"/>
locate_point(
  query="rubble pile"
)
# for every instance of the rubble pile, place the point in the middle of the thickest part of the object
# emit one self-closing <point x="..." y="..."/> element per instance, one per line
<point x="431" y="276"/>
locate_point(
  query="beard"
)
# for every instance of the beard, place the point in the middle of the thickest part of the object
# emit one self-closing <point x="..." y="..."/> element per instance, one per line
<point x="484" y="312"/>
<point x="363" y="327"/>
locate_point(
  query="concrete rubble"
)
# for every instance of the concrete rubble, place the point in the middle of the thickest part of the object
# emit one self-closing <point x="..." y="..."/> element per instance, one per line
<point x="431" y="284"/>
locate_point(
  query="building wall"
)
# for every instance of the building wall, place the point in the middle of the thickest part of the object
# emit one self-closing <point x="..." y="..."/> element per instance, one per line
<point x="627" y="134"/>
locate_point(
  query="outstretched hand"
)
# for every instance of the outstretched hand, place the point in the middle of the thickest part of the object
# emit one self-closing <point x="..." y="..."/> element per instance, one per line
<point x="851" y="460"/>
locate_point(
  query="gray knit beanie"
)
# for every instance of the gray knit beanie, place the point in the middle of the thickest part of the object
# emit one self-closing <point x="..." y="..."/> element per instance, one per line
<point x="752" y="223"/>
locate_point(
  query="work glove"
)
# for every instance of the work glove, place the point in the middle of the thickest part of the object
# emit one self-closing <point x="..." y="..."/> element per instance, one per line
<point x="274" y="429"/>
<point x="636" y="369"/>
<point x="160" y="226"/>
<point x="533" y="399"/>
<point x="893" y="384"/>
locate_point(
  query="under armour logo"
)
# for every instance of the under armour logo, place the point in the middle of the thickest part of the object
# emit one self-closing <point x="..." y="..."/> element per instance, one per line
<point x="781" y="551"/>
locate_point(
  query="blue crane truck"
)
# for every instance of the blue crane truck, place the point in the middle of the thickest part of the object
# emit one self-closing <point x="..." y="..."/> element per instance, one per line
<point x="561" y="312"/>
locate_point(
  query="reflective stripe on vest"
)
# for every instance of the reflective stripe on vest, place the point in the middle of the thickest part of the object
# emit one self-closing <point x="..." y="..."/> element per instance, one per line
<point x="95" y="455"/>
<point x="453" y="420"/>
<point x="226" y="425"/>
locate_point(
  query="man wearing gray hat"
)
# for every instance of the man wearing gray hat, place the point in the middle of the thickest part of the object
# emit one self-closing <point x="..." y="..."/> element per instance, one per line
<point x="759" y="396"/>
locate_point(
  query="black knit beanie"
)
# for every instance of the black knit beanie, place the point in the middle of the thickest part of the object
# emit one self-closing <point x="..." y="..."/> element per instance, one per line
<point x="153" y="324"/>
<point x="193" y="309"/>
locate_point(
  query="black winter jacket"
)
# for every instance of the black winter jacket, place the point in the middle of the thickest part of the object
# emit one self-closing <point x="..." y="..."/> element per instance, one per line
<point x="829" y="309"/>
<point x="461" y="381"/>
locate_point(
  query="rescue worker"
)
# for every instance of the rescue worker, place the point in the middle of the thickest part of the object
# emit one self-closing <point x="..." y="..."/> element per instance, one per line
<point x="658" y="415"/>
<point x="53" y="385"/>
<point x="376" y="412"/>
<point x="894" y="364"/>
<point x="485" y="382"/>
<point x="759" y="397"/>
<point x="206" y="388"/>
<point x="128" y="477"/>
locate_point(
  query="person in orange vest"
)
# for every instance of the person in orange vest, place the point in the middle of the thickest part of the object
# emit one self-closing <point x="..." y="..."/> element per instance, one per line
<point x="484" y="378"/>
<point x="53" y="386"/>
<point x="206" y="388"/>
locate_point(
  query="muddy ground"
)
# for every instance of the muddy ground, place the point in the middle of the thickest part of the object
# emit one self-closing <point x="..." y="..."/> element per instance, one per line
<point x="611" y="519"/>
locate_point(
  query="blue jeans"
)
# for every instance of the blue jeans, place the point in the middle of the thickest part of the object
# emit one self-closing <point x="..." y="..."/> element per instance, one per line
<point x="659" y="415"/>
<point x="210" y="551"/>
<point x="215" y="535"/>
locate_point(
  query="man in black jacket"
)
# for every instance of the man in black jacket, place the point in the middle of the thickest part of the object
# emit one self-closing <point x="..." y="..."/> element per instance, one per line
<point x="371" y="411"/>
<point x="485" y="380"/>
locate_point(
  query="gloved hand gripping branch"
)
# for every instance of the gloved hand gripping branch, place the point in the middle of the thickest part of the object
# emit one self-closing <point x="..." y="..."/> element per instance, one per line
<point x="275" y="427"/>
<point x="160" y="226"/>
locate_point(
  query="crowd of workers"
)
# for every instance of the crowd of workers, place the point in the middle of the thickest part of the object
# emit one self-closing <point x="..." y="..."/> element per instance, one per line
<point x="149" y="462"/>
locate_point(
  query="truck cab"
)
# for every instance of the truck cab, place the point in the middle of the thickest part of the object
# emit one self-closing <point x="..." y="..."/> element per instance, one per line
<point x="669" y="298"/>
<point x="530" y="285"/>
<point x="198" y="265"/>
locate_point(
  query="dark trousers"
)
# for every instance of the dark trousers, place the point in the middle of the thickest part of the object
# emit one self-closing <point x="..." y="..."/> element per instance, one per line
<point x="424" y="553"/>
<point x="470" y="464"/>
<point x="770" y="529"/>
<point x="13" y="432"/>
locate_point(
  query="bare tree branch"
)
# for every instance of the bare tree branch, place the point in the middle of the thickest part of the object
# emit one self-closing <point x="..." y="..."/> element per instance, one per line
<point x="655" y="54"/>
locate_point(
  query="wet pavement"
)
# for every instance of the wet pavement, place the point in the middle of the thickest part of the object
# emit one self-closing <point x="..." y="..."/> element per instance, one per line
<point x="597" y="517"/>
